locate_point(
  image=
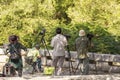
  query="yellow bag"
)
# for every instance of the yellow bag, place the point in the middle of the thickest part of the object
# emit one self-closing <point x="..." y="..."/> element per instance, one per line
<point x="48" y="70"/>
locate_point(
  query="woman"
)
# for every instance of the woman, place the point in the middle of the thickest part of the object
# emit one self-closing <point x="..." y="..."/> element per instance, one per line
<point x="14" y="52"/>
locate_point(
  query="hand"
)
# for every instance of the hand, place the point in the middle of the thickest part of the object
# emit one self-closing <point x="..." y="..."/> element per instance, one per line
<point x="8" y="54"/>
<point x="23" y="53"/>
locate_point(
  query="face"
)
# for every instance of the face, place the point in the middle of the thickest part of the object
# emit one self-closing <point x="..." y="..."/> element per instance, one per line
<point x="37" y="48"/>
<point x="11" y="41"/>
<point x="82" y="33"/>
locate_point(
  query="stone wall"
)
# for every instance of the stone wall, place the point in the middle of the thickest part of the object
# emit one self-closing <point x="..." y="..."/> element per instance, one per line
<point x="100" y="59"/>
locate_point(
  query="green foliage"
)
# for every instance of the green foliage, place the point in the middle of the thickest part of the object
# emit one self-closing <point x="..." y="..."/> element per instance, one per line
<point x="27" y="18"/>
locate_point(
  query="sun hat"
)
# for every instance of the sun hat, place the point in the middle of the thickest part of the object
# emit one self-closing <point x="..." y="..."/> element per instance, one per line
<point x="81" y="33"/>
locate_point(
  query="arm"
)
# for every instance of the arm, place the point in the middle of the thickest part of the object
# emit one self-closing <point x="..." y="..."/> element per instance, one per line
<point x="25" y="52"/>
<point x="23" y="47"/>
<point x="52" y="42"/>
<point x="7" y="49"/>
<point x="65" y="41"/>
<point x="38" y="54"/>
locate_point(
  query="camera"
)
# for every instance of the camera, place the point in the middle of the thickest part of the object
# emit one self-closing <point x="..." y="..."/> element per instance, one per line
<point x="42" y="32"/>
<point x="67" y="36"/>
<point x="90" y="36"/>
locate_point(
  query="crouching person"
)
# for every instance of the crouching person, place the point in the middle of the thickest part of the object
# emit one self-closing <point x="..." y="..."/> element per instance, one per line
<point x="14" y="52"/>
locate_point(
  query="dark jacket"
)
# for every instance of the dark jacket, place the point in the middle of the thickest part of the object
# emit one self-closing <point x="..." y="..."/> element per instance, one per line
<point x="16" y="47"/>
<point x="82" y="44"/>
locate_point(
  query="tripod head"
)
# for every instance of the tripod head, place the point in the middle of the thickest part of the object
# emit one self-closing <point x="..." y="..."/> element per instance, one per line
<point x="67" y="36"/>
<point x="42" y="32"/>
<point x="90" y="36"/>
<point x="43" y="42"/>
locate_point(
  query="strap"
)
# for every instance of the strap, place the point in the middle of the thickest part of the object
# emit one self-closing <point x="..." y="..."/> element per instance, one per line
<point x="15" y="49"/>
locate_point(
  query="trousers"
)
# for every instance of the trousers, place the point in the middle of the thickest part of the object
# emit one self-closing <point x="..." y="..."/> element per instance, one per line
<point x="84" y="65"/>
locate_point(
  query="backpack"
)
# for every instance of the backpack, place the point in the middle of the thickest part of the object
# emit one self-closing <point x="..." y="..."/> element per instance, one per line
<point x="8" y="70"/>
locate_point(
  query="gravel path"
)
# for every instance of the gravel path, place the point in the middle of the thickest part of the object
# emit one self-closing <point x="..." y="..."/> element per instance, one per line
<point x="72" y="77"/>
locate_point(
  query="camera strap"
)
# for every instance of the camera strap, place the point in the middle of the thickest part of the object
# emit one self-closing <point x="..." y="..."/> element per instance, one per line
<point x="15" y="49"/>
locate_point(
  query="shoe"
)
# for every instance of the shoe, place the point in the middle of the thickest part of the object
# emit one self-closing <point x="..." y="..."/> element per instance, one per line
<point x="40" y="70"/>
<point x="59" y="72"/>
<point x="20" y="74"/>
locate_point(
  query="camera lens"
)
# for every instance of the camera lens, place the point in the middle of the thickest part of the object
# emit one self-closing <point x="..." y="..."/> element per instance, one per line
<point x="42" y="32"/>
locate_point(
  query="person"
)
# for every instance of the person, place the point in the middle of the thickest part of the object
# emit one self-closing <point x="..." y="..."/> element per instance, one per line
<point x="58" y="42"/>
<point x="82" y="45"/>
<point x="13" y="50"/>
<point x="36" y="59"/>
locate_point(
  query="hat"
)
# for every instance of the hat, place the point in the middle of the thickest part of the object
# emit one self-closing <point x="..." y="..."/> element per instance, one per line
<point x="81" y="33"/>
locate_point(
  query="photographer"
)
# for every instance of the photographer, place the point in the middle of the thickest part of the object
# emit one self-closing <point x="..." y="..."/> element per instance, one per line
<point x="14" y="52"/>
<point x="82" y="45"/>
<point x="58" y="43"/>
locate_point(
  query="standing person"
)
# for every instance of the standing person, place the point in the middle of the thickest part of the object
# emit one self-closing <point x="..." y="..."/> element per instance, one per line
<point x="58" y="43"/>
<point x="36" y="58"/>
<point x="14" y="52"/>
<point x="82" y="45"/>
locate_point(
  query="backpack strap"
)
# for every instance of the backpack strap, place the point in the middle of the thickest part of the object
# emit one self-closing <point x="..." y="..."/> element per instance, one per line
<point x="15" y="49"/>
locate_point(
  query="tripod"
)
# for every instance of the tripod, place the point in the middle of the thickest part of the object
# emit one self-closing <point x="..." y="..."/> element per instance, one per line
<point x="69" y="59"/>
<point x="42" y="41"/>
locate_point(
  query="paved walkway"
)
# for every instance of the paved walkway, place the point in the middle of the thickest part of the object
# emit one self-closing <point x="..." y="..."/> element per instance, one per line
<point x="73" y="77"/>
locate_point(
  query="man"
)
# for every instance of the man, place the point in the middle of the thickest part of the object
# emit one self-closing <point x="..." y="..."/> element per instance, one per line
<point x="82" y="45"/>
<point x="58" y="43"/>
<point x="14" y="52"/>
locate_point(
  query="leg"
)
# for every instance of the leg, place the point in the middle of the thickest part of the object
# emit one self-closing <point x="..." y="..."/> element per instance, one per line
<point x="34" y="67"/>
<point x="81" y="66"/>
<point x="86" y="66"/>
<point x="60" y="65"/>
<point x="78" y="65"/>
<point x="54" y="63"/>
<point x="19" y="70"/>
<point x="39" y="64"/>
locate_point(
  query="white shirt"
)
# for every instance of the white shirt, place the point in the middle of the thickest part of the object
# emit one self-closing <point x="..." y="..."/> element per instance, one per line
<point x="59" y="42"/>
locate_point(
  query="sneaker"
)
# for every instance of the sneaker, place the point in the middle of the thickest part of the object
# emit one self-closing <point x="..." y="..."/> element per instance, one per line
<point x="59" y="72"/>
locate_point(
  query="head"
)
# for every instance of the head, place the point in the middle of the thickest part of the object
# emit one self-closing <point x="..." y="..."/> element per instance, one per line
<point x="82" y="33"/>
<point x="58" y="30"/>
<point x="13" y="38"/>
<point x="37" y="46"/>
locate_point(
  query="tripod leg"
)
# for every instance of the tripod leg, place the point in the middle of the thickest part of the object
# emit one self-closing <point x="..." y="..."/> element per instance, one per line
<point x="96" y="67"/>
<point x="70" y="67"/>
<point x="77" y="66"/>
<point x="45" y="50"/>
<point x="45" y="59"/>
<point x="69" y="59"/>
